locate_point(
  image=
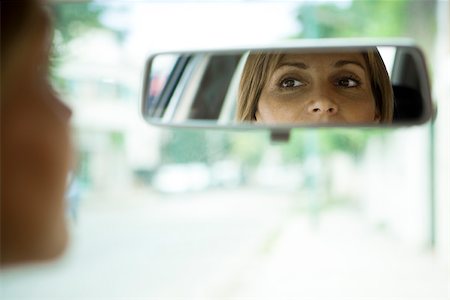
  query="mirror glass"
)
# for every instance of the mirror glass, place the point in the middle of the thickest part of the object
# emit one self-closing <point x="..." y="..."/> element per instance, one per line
<point x="289" y="87"/>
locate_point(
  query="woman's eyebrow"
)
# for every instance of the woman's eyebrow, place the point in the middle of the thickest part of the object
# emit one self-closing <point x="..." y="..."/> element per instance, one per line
<point x="298" y="65"/>
<point x="341" y="63"/>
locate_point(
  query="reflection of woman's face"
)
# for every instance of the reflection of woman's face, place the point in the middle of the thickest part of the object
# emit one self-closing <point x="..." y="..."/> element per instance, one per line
<point x="318" y="88"/>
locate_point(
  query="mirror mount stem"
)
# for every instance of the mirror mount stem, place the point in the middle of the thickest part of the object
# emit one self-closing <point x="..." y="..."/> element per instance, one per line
<point x="280" y="136"/>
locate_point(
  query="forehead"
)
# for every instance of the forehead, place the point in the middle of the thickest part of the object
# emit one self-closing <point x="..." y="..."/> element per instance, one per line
<point x="329" y="58"/>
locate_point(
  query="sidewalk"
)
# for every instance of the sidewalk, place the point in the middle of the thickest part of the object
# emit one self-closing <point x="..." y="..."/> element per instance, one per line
<point x="340" y="257"/>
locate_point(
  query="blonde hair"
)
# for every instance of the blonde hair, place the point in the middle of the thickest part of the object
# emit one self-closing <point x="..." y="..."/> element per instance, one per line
<point x="261" y="65"/>
<point x="381" y="85"/>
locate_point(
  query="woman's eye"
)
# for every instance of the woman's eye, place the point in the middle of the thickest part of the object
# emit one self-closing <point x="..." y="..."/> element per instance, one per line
<point x="348" y="82"/>
<point x="291" y="83"/>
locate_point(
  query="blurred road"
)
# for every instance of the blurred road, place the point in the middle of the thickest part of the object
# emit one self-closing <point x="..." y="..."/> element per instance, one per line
<point x="153" y="247"/>
<point x="340" y="257"/>
<point x="218" y="245"/>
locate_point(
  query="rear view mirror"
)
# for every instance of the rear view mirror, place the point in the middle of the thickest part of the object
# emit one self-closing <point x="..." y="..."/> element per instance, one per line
<point x="334" y="83"/>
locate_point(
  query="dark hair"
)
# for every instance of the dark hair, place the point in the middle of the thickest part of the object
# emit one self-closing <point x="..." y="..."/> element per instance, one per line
<point x="14" y="15"/>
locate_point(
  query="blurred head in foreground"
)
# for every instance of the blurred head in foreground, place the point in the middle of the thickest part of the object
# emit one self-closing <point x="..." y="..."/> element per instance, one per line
<point x="35" y="139"/>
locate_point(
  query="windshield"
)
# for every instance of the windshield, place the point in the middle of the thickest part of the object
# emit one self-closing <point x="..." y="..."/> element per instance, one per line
<point x="166" y="213"/>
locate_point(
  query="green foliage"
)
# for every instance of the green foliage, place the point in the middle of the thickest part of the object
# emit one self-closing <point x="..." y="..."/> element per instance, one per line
<point x="190" y="145"/>
<point x="117" y="139"/>
<point x="360" y="19"/>
<point x="383" y="18"/>
<point x="182" y="146"/>
<point x="208" y="146"/>
<point x="325" y="141"/>
<point x="298" y="147"/>
<point x="352" y="141"/>
<point x="249" y="147"/>
<point x="73" y="19"/>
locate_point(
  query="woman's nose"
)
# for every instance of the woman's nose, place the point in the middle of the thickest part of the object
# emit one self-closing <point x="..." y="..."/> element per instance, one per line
<point x="322" y="107"/>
